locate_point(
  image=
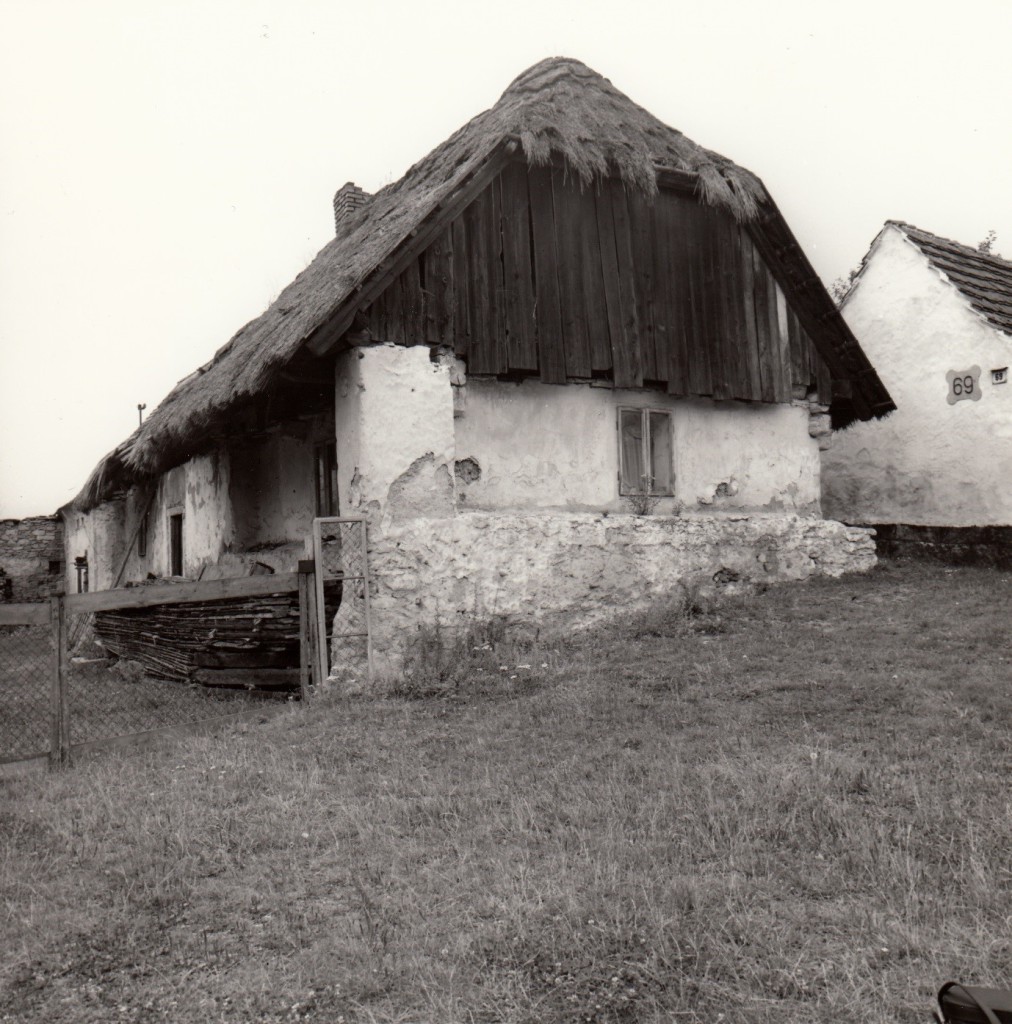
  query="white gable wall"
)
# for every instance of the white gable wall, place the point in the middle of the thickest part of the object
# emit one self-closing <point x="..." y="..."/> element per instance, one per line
<point x="928" y="463"/>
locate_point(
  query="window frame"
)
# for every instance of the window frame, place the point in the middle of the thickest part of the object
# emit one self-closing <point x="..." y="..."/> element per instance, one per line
<point x="325" y="479"/>
<point x="176" y="556"/>
<point x="645" y="412"/>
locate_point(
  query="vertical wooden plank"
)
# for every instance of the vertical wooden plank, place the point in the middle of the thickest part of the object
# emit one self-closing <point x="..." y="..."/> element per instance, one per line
<point x="551" y="353"/>
<point x="412" y="304"/>
<point x="497" y="289"/>
<point x="626" y="355"/>
<point x="307" y="623"/>
<point x="393" y="304"/>
<point x="571" y="249"/>
<point x="751" y="337"/>
<point x="594" y="288"/>
<point x="823" y="378"/>
<point x="765" y="325"/>
<point x="59" y="748"/>
<point x="481" y="355"/>
<point x="609" y="275"/>
<point x="521" y="343"/>
<point x="673" y="312"/>
<point x="714" y="305"/>
<point x="461" y="309"/>
<point x="700" y="370"/>
<point x="322" y="647"/>
<point x="439" y="291"/>
<point x="799" y="353"/>
<point x="367" y="597"/>
<point x="784" y="345"/>
<point x="732" y="285"/>
<point x="642" y="234"/>
<point x="377" y="317"/>
<point x="805" y="357"/>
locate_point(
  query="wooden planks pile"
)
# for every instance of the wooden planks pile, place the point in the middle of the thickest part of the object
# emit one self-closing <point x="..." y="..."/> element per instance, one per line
<point x="194" y="641"/>
<point x="537" y="276"/>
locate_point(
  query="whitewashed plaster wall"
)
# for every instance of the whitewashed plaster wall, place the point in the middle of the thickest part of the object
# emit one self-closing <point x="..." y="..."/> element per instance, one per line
<point x="272" y="490"/>
<point x="98" y="536"/>
<point x="256" y="495"/>
<point x="547" y="538"/>
<point x="394" y="430"/>
<point x="928" y="463"/>
<point x="556" y="447"/>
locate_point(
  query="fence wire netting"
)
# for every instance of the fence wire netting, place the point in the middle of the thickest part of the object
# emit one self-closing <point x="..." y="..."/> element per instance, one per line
<point x="108" y="697"/>
<point x="26" y="676"/>
<point x="343" y="570"/>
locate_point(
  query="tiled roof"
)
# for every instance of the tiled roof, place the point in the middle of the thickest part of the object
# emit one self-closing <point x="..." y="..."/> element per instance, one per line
<point x="985" y="280"/>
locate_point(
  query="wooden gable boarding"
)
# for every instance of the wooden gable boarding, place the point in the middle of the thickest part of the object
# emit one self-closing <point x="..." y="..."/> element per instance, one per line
<point x="537" y="276"/>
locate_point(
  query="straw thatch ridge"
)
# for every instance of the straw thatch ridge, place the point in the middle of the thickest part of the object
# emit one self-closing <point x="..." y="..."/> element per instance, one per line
<point x="558" y="109"/>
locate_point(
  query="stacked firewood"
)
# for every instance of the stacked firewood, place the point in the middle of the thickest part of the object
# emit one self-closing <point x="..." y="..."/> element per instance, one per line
<point x="174" y="641"/>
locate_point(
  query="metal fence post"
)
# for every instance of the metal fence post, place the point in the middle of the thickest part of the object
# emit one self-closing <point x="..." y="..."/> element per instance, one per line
<point x="59" y="750"/>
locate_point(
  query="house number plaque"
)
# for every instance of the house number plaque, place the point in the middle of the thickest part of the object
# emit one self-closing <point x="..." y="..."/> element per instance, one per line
<point x="964" y="385"/>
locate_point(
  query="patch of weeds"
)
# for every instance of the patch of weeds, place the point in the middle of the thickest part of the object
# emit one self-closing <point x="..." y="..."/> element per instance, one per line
<point x="691" y="608"/>
<point x="592" y="971"/>
<point x="487" y="657"/>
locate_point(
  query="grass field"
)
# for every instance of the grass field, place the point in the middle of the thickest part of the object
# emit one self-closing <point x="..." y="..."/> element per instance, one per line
<point x="789" y="809"/>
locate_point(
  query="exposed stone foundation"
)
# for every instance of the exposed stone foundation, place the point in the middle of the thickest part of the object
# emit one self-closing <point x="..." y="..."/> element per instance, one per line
<point x="585" y="565"/>
<point x="31" y="558"/>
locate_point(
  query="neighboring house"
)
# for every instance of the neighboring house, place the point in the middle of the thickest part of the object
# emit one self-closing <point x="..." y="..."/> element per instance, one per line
<point x="31" y="558"/>
<point x="565" y="309"/>
<point x="935" y="317"/>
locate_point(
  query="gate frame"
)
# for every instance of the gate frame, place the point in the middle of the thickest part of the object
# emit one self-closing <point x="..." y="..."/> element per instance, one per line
<point x="322" y="646"/>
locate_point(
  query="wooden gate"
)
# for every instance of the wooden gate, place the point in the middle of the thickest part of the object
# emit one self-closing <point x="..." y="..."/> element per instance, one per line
<point x="340" y="550"/>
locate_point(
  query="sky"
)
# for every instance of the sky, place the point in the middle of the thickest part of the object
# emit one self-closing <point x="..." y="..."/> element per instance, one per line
<point x="168" y="166"/>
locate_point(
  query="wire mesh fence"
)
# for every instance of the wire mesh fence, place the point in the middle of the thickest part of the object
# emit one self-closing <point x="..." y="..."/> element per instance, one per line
<point x="65" y="683"/>
<point x="342" y="572"/>
<point x="26" y="673"/>
<point x="108" y="697"/>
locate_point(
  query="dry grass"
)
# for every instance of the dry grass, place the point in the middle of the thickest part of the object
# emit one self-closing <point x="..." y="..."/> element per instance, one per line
<point x="792" y="809"/>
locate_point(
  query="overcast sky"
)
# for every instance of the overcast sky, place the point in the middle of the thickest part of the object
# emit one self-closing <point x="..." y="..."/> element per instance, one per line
<point x="168" y="166"/>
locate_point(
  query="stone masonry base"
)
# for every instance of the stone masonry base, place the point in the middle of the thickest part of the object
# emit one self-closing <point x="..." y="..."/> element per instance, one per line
<point x="586" y="565"/>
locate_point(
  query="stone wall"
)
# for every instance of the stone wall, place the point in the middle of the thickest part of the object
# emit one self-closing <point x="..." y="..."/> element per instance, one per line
<point x="586" y="565"/>
<point x="31" y="558"/>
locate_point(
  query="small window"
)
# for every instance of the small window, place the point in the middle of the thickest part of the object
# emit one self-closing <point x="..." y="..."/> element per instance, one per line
<point x="55" y="567"/>
<point x="645" y="452"/>
<point x="176" y="544"/>
<point x="326" y="479"/>
<point x="81" y="568"/>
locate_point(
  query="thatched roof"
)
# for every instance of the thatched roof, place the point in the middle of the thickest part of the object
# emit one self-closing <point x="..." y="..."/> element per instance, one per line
<point x="558" y="109"/>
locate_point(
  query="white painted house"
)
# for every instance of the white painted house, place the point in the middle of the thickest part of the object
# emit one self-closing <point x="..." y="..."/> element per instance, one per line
<point x="935" y="318"/>
<point x="566" y="310"/>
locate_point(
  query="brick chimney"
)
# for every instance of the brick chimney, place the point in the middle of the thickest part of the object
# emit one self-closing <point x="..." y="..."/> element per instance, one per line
<point x="347" y="199"/>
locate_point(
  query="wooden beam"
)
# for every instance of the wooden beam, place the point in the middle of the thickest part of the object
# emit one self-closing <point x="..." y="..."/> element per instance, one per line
<point x="181" y="593"/>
